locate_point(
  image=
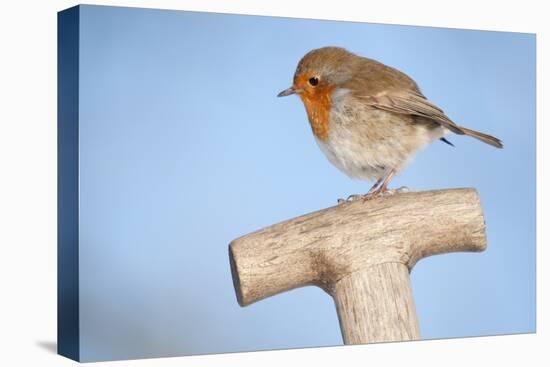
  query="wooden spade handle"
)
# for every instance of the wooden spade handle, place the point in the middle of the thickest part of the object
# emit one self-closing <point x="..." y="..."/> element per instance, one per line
<point x="361" y="254"/>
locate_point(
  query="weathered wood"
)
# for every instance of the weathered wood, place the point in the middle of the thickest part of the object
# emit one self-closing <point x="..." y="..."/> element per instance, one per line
<point x="376" y="304"/>
<point x="360" y="253"/>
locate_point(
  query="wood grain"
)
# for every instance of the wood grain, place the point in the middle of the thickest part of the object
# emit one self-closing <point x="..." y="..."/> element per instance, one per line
<point x="376" y="305"/>
<point x="360" y="253"/>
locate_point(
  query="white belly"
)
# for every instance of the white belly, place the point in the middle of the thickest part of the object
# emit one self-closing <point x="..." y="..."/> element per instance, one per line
<point x="367" y="144"/>
<point x="352" y="160"/>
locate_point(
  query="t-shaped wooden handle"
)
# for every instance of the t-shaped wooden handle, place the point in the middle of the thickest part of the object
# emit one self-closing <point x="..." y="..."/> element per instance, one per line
<point x="361" y="254"/>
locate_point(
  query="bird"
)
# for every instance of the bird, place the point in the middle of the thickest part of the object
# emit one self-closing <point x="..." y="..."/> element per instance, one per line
<point x="369" y="119"/>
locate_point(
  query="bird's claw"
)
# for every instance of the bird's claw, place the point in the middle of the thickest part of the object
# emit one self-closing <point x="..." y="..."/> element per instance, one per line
<point x="375" y="194"/>
<point x="399" y="190"/>
<point x="350" y="198"/>
<point x="384" y="193"/>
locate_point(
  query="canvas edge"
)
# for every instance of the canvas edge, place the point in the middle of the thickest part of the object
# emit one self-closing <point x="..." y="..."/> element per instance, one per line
<point x="68" y="328"/>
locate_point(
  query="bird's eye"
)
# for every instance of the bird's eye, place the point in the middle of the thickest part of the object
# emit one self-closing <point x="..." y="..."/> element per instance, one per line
<point x="314" y="81"/>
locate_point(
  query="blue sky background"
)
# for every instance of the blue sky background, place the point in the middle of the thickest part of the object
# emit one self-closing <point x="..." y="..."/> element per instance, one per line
<point x="184" y="147"/>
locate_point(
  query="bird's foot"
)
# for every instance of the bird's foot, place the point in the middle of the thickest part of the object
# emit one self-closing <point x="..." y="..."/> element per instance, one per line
<point x="350" y="198"/>
<point x="384" y="192"/>
<point x="374" y="194"/>
<point x="399" y="190"/>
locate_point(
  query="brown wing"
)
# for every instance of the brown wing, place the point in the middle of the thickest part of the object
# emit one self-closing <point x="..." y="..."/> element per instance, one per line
<point x="413" y="103"/>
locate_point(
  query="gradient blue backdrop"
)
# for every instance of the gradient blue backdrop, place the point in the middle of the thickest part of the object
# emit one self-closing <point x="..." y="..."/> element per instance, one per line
<point x="184" y="147"/>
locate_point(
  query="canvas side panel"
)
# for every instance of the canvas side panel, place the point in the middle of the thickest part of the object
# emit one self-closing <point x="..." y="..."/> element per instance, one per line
<point x="67" y="183"/>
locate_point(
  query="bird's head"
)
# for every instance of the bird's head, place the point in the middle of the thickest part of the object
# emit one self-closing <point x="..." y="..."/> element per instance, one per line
<point x="319" y="71"/>
<point x="318" y="74"/>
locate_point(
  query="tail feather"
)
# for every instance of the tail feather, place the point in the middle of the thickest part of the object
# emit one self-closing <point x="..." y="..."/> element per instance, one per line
<point x="491" y="140"/>
<point x="446" y="141"/>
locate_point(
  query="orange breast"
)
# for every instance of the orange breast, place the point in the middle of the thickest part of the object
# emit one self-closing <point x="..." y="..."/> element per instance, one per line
<point x="318" y="105"/>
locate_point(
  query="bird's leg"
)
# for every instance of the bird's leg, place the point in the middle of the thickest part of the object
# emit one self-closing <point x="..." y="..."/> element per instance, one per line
<point x="380" y="187"/>
<point x="360" y="196"/>
<point x="374" y="187"/>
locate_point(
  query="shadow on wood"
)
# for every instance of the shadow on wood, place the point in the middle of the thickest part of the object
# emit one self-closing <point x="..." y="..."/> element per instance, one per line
<point x="361" y="254"/>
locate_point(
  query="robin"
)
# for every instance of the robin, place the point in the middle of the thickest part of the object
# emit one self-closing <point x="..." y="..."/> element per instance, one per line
<point x="368" y="118"/>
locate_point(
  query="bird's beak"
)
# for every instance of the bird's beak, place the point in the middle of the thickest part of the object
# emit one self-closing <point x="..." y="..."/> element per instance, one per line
<point x="287" y="92"/>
